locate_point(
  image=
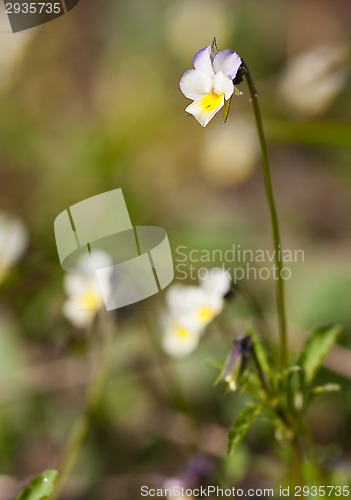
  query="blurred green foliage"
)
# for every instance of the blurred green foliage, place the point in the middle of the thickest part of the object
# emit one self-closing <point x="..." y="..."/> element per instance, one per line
<point x="89" y="103"/>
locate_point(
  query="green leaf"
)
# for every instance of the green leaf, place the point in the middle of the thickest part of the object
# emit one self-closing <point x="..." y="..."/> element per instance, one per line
<point x="289" y="371"/>
<point x="323" y="389"/>
<point x="41" y="487"/>
<point x="259" y="350"/>
<point x="315" y="350"/>
<point x="241" y="426"/>
<point x="226" y="109"/>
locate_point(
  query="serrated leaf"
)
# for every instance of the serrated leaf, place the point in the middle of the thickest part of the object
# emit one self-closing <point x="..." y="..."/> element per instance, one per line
<point x="315" y="350"/>
<point x="259" y="350"/>
<point x="226" y="109"/>
<point x="214" y="49"/>
<point x="41" y="487"/>
<point x="241" y="426"/>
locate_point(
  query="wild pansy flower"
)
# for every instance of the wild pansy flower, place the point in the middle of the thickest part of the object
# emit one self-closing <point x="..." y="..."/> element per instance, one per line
<point x="190" y="309"/>
<point x="210" y="84"/>
<point x="83" y="290"/>
<point x="180" y="337"/>
<point x="13" y="242"/>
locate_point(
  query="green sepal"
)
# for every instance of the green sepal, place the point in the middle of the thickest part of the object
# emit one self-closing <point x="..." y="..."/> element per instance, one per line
<point x="226" y="109"/>
<point x="214" y="49"/>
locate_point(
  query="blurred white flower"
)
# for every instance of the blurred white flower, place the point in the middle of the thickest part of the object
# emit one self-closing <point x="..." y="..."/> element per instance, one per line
<point x="83" y="290"/>
<point x="313" y="79"/>
<point x="210" y="83"/>
<point x="12" y="48"/>
<point x="13" y="242"/>
<point x="179" y="339"/>
<point x="194" y="304"/>
<point x="229" y="153"/>
<point x="217" y="281"/>
<point x="190" y="309"/>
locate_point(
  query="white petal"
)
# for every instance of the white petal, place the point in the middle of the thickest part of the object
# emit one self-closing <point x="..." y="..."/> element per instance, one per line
<point x="13" y="240"/>
<point x="178" y="341"/>
<point x="98" y="259"/>
<point x="77" y="285"/>
<point x="193" y="307"/>
<point x="183" y="300"/>
<point x="78" y="317"/>
<point x="227" y="61"/>
<point x="217" y="282"/>
<point x="74" y="284"/>
<point x="202" y="61"/>
<point x="195" y="84"/>
<point x="200" y="112"/>
<point x="223" y="85"/>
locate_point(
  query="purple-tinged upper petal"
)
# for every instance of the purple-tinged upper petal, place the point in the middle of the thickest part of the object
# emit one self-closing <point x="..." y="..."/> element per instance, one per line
<point x="227" y="61"/>
<point x="202" y="61"/>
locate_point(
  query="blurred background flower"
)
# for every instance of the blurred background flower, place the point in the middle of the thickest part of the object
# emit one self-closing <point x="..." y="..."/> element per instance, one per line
<point x="190" y="309"/>
<point x="13" y="242"/>
<point x="313" y="79"/>
<point x="230" y="151"/>
<point x="91" y="104"/>
<point x="84" y="293"/>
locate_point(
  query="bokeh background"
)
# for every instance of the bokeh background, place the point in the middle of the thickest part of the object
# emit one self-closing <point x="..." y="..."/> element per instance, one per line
<point x="89" y="103"/>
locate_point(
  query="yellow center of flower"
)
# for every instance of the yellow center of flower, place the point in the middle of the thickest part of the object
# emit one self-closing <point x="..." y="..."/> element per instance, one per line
<point x="182" y="332"/>
<point x="205" y="315"/>
<point x="91" y="300"/>
<point x="210" y="102"/>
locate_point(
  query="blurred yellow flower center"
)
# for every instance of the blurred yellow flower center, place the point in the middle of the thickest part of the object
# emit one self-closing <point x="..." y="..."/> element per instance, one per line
<point x="91" y="300"/>
<point x="182" y="332"/>
<point x="205" y="314"/>
<point x="210" y="102"/>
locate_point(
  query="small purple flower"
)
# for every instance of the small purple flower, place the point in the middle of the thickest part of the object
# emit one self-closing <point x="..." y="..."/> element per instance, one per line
<point x="237" y="361"/>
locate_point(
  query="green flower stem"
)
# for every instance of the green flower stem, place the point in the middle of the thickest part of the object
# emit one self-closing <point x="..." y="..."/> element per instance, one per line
<point x="83" y="424"/>
<point x="274" y="220"/>
<point x="295" y="445"/>
<point x="297" y="469"/>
